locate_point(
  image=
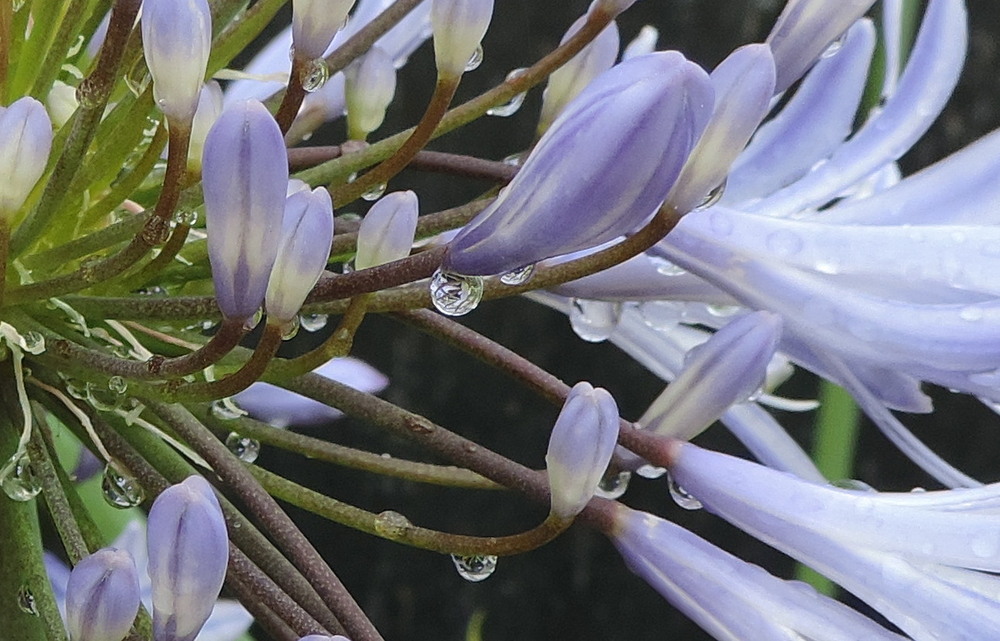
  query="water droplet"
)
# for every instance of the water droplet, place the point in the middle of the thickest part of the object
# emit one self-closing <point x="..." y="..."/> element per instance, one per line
<point x="682" y="497"/>
<point x="120" y="490"/>
<point x="87" y="95"/>
<point x="613" y="485"/>
<point x="391" y="524"/>
<point x="226" y="410"/>
<point x="455" y="294"/>
<point x="835" y="46"/>
<point x="254" y="320"/>
<point x="518" y="276"/>
<point x="723" y="311"/>
<point x="374" y="193"/>
<point x="187" y="217"/>
<point x="713" y="197"/>
<point x="315" y="75"/>
<point x="514" y="160"/>
<point x="117" y="385"/>
<point x="290" y="329"/>
<point x="475" y="60"/>
<point x="34" y="342"/>
<point x="246" y="449"/>
<point x="18" y="479"/>
<point x="594" y="320"/>
<point x="971" y="313"/>
<point x="26" y="601"/>
<point x="313" y="322"/>
<point x="784" y="242"/>
<point x="102" y="398"/>
<point x="667" y="268"/>
<point x="510" y="107"/>
<point x="476" y="568"/>
<point x="721" y="224"/>
<point x="347" y="267"/>
<point x="651" y="471"/>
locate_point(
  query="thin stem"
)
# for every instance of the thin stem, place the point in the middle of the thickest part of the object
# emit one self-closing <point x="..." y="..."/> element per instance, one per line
<point x="337" y="344"/>
<point x="373" y="279"/>
<point x="302" y="553"/>
<point x="444" y="91"/>
<point x="401" y="530"/>
<point x="176" y="172"/>
<point x="294" y="94"/>
<point x="300" y="158"/>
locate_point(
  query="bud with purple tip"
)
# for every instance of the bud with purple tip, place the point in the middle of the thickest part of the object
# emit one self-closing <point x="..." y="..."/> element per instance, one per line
<point x="306" y="234"/>
<point x="188" y="553"/>
<point x="386" y="233"/>
<point x="245" y="176"/>
<point x="177" y="40"/>
<point x="25" y="142"/>
<point x="600" y="171"/>
<point x="102" y="596"/>
<point x="459" y="27"/>
<point x="580" y="448"/>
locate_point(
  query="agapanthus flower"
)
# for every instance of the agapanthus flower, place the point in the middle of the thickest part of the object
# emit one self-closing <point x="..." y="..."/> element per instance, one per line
<point x="387" y="230"/>
<point x="25" y="142"/>
<point x="102" y="596"/>
<point x="177" y="40"/>
<point x="459" y="27"/>
<point x="315" y="23"/>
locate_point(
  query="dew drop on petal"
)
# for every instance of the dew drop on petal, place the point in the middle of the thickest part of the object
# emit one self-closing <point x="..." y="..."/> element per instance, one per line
<point x="313" y="322"/>
<point x="613" y="485"/>
<point x="834" y="47"/>
<point x="246" y="449"/>
<point x="18" y="479"/>
<point x="455" y="294"/>
<point x="475" y="568"/>
<point x="712" y="197"/>
<point x="120" y="490"/>
<point x="315" y="75"/>
<point x="475" y="60"/>
<point x="682" y="497"/>
<point x="594" y="320"/>
<point x="518" y="276"/>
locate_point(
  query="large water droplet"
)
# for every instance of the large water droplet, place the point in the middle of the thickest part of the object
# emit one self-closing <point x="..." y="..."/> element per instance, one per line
<point x="455" y="294"/>
<point x="478" y="567"/>
<point x="391" y="524"/>
<point x="315" y="75"/>
<point x="682" y="497"/>
<point x="712" y="197"/>
<point x="120" y="490"/>
<point x="290" y="329"/>
<point x="510" y="107"/>
<point x="26" y="601"/>
<point x="313" y="322"/>
<point x="375" y="192"/>
<point x="518" y="276"/>
<point x="246" y="449"/>
<point x="254" y="320"/>
<point x="188" y="217"/>
<point x="594" y="320"/>
<point x="613" y="485"/>
<point x="18" y="479"/>
<point x="475" y="60"/>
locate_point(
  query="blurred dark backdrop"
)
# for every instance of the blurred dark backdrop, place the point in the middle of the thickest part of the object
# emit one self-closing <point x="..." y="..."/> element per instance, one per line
<point x="577" y="587"/>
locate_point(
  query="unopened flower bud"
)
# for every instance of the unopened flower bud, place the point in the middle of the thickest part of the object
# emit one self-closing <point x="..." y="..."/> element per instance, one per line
<point x="315" y="23"/>
<point x="245" y="177"/>
<point x="643" y="43"/>
<point x="566" y="82"/>
<point x="25" y="142"/>
<point x="724" y="370"/>
<point x="102" y="596"/>
<point x="580" y="448"/>
<point x="208" y="111"/>
<point x="61" y="103"/>
<point x="188" y="553"/>
<point x="177" y="40"/>
<point x="306" y="234"/>
<point x="601" y="170"/>
<point x="386" y="233"/>
<point x="804" y="30"/>
<point x="743" y="84"/>
<point x="369" y="86"/>
<point x="459" y="27"/>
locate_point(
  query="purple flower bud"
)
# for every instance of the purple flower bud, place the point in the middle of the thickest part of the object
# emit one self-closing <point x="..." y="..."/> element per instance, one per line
<point x="188" y="553"/>
<point x="369" y="86"/>
<point x="743" y="84"/>
<point x="603" y="168"/>
<point x="25" y="142"/>
<point x="568" y="81"/>
<point x="804" y="30"/>
<point x="177" y="39"/>
<point x="102" y="596"/>
<point x="306" y="234"/>
<point x="580" y="448"/>
<point x="386" y="233"/>
<point x="245" y="176"/>
<point x="315" y="23"/>
<point x="724" y="370"/>
<point x="459" y="27"/>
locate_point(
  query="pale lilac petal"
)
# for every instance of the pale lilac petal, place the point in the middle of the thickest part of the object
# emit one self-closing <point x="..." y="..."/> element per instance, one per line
<point x="177" y="40"/>
<point x="25" y="143"/>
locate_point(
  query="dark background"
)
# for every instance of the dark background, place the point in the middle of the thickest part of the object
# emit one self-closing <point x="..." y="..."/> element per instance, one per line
<point x="577" y="587"/>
